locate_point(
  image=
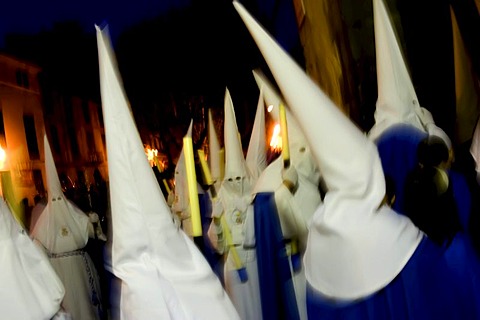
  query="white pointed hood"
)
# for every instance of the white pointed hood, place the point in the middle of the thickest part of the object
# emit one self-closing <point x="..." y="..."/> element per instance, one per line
<point x="300" y="153"/>
<point x="182" y="200"/>
<point x="397" y="101"/>
<point x="163" y="274"/>
<point x="354" y="248"/>
<point x="30" y="287"/>
<point x="475" y="147"/>
<point x="214" y="151"/>
<point x="62" y="226"/>
<point x="235" y="165"/>
<point x="257" y="148"/>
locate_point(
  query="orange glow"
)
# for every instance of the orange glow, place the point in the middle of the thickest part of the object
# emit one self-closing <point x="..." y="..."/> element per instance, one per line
<point x="276" y="140"/>
<point x="151" y="155"/>
<point x="3" y="155"/>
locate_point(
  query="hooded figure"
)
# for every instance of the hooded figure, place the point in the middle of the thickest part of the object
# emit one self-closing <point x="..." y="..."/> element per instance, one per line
<point x="63" y="231"/>
<point x="163" y="274"/>
<point x="362" y="259"/>
<point x="232" y="205"/>
<point x="475" y="150"/>
<point x="215" y="159"/>
<point x="30" y="289"/>
<point x="181" y="204"/>
<point x="257" y="148"/>
<point x="295" y="193"/>
<point x="401" y="138"/>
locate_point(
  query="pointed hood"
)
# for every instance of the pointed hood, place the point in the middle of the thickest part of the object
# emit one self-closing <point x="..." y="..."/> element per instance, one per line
<point x="54" y="186"/>
<point x="62" y="226"/>
<point x="343" y="260"/>
<point x="274" y="99"/>
<point x="235" y="165"/>
<point x="30" y="288"/>
<point x="475" y="147"/>
<point x="163" y="274"/>
<point x="182" y="202"/>
<point x="397" y="101"/>
<point x="300" y="153"/>
<point x="257" y="148"/>
<point x="214" y="151"/>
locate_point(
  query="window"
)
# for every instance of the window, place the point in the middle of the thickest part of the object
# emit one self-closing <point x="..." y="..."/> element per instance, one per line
<point x="31" y="134"/>
<point x="37" y="179"/>
<point x="22" y="79"/>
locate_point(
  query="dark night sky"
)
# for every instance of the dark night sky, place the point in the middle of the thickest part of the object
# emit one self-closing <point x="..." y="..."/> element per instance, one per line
<point x="32" y="16"/>
<point x="166" y="49"/>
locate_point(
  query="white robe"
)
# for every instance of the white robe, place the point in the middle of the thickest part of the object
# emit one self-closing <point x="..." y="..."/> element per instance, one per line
<point x="62" y="230"/>
<point x="245" y="296"/>
<point x="29" y="288"/>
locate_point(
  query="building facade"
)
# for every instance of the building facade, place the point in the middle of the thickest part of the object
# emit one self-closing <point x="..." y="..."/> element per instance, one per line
<point x="21" y="126"/>
<point x="73" y="125"/>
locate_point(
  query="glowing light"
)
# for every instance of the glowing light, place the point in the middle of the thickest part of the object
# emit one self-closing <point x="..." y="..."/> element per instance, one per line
<point x="151" y="155"/>
<point x="3" y="155"/>
<point x="270" y="108"/>
<point x="276" y="140"/>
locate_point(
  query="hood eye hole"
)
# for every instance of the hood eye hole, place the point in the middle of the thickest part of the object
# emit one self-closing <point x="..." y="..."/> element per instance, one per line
<point x="238" y="178"/>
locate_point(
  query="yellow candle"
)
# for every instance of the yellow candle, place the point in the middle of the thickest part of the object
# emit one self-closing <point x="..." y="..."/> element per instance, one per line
<point x="165" y="183"/>
<point x="192" y="187"/>
<point x="284" y="132"/>
<point x="228" y="237"/>
<point x="205" y="169"/>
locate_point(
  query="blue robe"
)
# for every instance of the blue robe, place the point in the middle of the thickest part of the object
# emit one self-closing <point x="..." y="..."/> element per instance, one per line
<point x="437" y="283"/>
<point x="276" y="287"/>
<point x="397" y="148"/>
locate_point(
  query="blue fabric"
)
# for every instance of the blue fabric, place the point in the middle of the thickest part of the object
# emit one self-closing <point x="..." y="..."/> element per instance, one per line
<point x="212" y="257"/>
<point x="436" y="283"/>
<point x="276" y="287"/>
<point x="463" y="197"/>
<point x="397" y="147"/>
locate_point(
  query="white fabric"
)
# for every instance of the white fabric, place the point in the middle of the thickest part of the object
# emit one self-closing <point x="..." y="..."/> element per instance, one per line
<point x="294" y="227"/>
<point x="36" y="212"/>
<point x="273" y="98"/>
<point x="433" y="130"/>
<point x="397" y="101"/>
<point x="257" y="148"/>
<point x="245" y="295"/>
<point x="30" y="288"/>
<point x="62" y="229"/>
<point x="235" y="198"/>
<point x="300" y="154"/>
<point x="78" y="275"/>
<point x="235" y="165"/>
<point x="354" y="248"/>
<point x="163" y="274"/>
<point x="475" y="147"/>
<point x="181" y="204"/>
<point x="62" y="226"/>
<point x="214" y="153"/>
